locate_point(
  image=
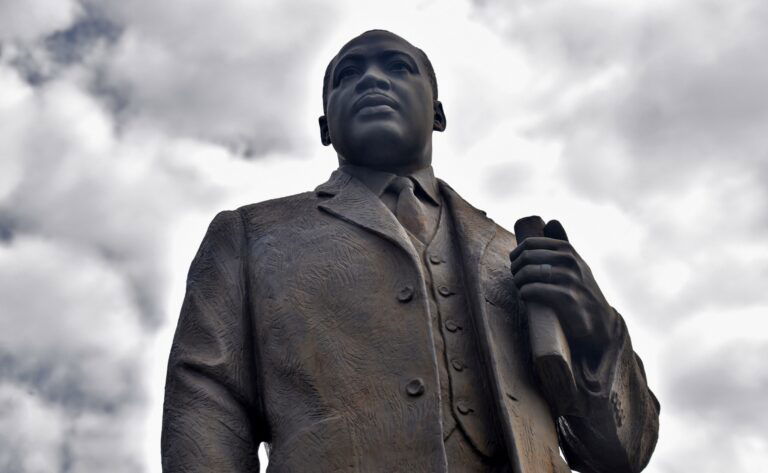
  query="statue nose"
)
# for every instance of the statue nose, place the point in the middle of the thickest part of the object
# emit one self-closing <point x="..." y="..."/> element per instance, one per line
<point x="374" y="78"/>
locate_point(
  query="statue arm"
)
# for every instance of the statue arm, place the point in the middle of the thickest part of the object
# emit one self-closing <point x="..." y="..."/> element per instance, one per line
<point x="211" y="415"/>
<point x="619" y="426"/>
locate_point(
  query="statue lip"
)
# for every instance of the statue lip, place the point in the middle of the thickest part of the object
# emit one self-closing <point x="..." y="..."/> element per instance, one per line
<point x="373" y="99"/>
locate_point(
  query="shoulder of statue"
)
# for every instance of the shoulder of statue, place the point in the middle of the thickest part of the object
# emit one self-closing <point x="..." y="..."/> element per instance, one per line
<point x="277" y="210"/>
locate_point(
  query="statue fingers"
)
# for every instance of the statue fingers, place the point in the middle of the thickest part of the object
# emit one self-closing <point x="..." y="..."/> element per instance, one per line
<point x="538" y="257"/>
<point x="563" y="301"/>
<point x="545" y="273"/>
<point x="554" y="229"/>
<point x="537" y="243"/>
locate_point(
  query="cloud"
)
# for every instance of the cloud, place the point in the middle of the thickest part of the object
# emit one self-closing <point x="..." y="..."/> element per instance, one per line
<point x="29" y="20"/>
<point x="31" y="432"/>
<point x="658" y="110"/>
<point x="717" y="395"/>
<point x="85" y="314"/>
<point x="40" y="437"/>
<point x="85" y="218"/>
<point x="727" y="385"/>
<point x="70" y="376"/>
<point x="113" y="112"/>
<point x="652" y="94"/>
<point x="232" y="72"/>
<point x="101" y="191"/>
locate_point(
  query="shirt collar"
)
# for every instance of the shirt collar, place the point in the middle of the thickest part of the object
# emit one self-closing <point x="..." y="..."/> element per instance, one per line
<point x="377" y="181"/>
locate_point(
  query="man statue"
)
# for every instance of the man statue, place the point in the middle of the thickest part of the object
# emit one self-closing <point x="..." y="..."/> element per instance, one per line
<point x="382" y="324"/>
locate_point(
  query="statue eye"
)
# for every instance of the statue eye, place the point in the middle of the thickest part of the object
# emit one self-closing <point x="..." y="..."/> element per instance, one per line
<point x="399" y="66"/>
<point x="346" y="72"/>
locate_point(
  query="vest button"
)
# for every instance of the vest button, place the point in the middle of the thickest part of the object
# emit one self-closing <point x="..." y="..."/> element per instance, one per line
<point x="415" y="387"/>
<point x="435" y="259"/>
<point x="405" y="294"/>
<point x="445" y="291"/>
<point x="451" y="325"/>
<point x="457" y="365"/>
<point x="464" y="408"/>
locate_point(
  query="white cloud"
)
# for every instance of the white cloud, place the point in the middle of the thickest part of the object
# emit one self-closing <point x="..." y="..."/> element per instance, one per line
<point x="29" y="20"/>
<point x="69" y="277"/>
<point x="100" y="191"/>
<point x="658" y="110"/>
<point x="678" y="87"/>
<point x="31" y="432"/>
<point x="85" y="214"/>
<point x="233" y="72"/>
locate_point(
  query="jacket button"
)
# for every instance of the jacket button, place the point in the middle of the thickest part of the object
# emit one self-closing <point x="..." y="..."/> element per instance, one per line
<point x="457" y="365"/>
<point x="405" y="294"/>
<point x="464" y="408"/>
<point x="451" y="325"/>
<point x="415" y="387"/>
<point x="445" y="291"/>
<point x="435" y="259"/>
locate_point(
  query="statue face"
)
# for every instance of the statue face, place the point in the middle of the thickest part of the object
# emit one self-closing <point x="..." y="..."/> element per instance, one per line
<point x="380" y="110"/>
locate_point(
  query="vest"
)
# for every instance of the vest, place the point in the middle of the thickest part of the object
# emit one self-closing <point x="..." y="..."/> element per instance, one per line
<point x="473" y="441"/>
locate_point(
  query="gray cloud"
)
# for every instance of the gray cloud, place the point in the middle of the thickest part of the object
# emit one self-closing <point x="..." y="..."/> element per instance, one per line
<point x="70" y="362"/>
<point x="725" y="386"/>
<point x="31" y="432"/>
<point x="508" y="179"/>
<point x="232" y="73"/>
<point x="660" y="111"/>
<point x="654" y="107"/>
<point x="86" y="215"/>
<point x="73" y="44"/>
<point x="102" y="104"/>
<point x="676" y="89"/>
<point x="87" y="204"/>
<point x="719" y="395"/>
<point x="23" y="20"/>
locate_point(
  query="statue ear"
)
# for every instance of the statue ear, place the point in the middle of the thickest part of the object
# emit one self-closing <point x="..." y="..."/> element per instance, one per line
<point x="439" y="123"/>
<point x="325" y="136"/>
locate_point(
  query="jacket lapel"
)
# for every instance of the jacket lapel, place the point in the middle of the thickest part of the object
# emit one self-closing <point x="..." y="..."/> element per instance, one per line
<point x="474" y="230"/>
<point x="528" y="431"/>
<point x="474" y="233"/>
<point x="353" y="202"/>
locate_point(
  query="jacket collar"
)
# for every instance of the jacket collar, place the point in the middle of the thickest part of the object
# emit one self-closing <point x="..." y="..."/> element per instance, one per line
<point x="473" y="228"/>
<point x="354" y="202"/>
<point x="333" y="185"/>
<point x="378" y="181"/>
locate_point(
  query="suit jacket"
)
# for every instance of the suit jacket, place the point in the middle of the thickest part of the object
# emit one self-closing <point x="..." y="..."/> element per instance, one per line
<point x="305" y="325"/>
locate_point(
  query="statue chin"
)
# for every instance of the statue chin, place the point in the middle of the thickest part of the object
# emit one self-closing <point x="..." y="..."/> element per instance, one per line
<point x="370" y="135"/>
<point x="382" y="147"/>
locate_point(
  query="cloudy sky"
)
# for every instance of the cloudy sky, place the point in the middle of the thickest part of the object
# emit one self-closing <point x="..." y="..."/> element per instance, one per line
<point x="127" y="124"/>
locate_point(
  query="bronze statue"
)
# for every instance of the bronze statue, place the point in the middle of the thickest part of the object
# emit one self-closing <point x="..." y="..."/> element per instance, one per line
<point x="382" y="324"/>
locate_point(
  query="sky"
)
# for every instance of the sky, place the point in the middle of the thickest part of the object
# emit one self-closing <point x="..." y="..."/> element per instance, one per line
<point x="128" y="124"/>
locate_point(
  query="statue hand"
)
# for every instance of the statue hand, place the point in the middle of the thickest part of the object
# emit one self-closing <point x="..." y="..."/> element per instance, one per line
<point x="550" y="272"/>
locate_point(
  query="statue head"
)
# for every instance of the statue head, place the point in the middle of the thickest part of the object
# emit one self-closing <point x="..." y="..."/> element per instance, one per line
<point x="380" y="104"/>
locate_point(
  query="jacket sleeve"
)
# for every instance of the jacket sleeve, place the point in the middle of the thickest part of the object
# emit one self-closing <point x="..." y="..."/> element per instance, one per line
<point x="211" y="411"/>
<point x="620" y="423"/>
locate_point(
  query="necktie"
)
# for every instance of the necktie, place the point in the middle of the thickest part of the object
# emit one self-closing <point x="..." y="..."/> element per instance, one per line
<point x="409" y="210"/>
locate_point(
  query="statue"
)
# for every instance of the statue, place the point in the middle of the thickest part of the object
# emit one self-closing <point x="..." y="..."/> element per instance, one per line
<point x="382" y="324"/>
